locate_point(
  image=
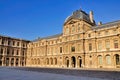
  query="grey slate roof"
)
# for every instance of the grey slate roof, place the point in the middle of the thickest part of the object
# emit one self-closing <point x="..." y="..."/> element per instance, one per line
<point x="79" y="14"/>
<point x="106" y="25"/>
<point x="49" y="37"/>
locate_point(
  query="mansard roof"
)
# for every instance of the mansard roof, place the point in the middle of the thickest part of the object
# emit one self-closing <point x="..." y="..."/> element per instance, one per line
<point x="79" y="14"/>
<point x="4" y="36"/>
<point x="106" y="25"/>
<point x="49" y="37"/>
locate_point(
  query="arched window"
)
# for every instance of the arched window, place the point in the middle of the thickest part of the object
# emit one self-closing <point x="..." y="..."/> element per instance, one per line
<point x="100" y="60"/>
<point x="117" y="59"/>
<point x="108" y="59"/>
<point x="55" y="61"/>
<point x="47" y="61"/>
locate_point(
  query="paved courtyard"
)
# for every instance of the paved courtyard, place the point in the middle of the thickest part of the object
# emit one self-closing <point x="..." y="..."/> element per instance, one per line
<point x="8" y="73"/>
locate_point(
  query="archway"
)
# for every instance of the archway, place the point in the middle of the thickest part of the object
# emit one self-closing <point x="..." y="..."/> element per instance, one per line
<point x="117" y="59"/>
<point x="73" y="62"/>
<point x="38" y="61"/>
<point x="79" y="62"/>
<point x="47" y="61"/>
<point x="51" y="60"/>
<point x="55" y="60"/>
<point x="67" y="61"/>
<point x="7" y="62"/>
<point x="12" y="62"/>
<point x="100" y="61"/>
<point x="17" y="62"/>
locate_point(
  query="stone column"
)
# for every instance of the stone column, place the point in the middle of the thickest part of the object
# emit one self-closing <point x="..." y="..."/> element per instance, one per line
<point x="70" y="62"/>
<point x="76" y="66"/>
<point x="14" y="61"/>
<point x="9" y="61"/>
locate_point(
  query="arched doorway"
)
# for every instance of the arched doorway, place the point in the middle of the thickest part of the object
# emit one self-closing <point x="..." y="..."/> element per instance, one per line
<point x="7" y="62"/>
<point x="55" y="60"/>
<point x="51" y="60"/>
<point x="12" y="62"/>
<point x="117" y="59"/>
<point x="17" y="60"/>
<point x="67" y="61"/>
<point x="79" y="62"/>
<point x="73" y="61"/>
<point x="100" y="61"/>
<point x="47" y="61"/>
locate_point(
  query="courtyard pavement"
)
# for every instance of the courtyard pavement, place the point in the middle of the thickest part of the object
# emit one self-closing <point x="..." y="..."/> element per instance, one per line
<point x="7" y="73"/>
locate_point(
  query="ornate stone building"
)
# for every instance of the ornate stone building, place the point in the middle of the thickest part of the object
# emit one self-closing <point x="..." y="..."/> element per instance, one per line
<point x="82" y="44"/>
<point x="12" y="51"/>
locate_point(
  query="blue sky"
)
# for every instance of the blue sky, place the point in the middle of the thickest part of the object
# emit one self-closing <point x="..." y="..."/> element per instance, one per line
<point x="29" y="19"/>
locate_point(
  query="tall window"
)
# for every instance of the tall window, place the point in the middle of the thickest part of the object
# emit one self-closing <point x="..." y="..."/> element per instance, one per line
<point x="17" y="52"/>
<point x="1" y="51"/>
<point x="106" y="33"/>
<point x="60" y="49"/>
<point x="78" y="47"/>
<point x="78" y="36"/>
<point x="108" y="59"/>
<point x="99" y="45"/>
<point x="67" y="30"/>
<point x="66" y="48"/>
<point x="89" y="35"/>
<point x="99" y="34"/>
<point x="90" y="47"/>
<point x="8" y="51"/>
<point x="73" y="49"/>
<point x="115" y="44"/>
<point x="73" y="28"/>
<point x="9" y="42"/>
<point x="78" y="27"/>
<point x="115" y="31"/>
<point x="117" y="59"/>
<point x="100" y="60"/>
<point x="107" y="43"/>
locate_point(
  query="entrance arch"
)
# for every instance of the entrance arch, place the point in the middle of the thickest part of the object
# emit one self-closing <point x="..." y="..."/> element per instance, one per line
<point x="117" y="59"/>
<point x="79" y="61"/>
<point x="73" y="61"/>
<point x="67" y="61"/>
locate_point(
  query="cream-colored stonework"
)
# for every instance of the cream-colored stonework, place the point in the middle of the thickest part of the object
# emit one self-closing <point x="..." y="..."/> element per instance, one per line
<point x="82" y="44"/>
<point x="12" y="51"/>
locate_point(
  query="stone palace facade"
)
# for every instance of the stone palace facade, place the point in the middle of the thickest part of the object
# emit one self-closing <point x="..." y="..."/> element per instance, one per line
<point x="82" y="44"/>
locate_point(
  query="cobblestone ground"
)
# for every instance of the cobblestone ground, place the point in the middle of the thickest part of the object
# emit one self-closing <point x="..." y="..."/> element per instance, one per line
<point x="8" y="73"/>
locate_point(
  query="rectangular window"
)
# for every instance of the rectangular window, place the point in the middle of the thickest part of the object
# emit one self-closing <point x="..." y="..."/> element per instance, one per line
<point x="107" y="45"/>
<point x="72" y="49"/>
<point x="115" y="44"/>
<point x="60" y="49"/>
<point x="99" y="45"/>
<point x="18" y="43"/>
<point x="17" y="52"/>
<point x="13" y="43"/>
<point x="78" y="47"/>
<point x="108" y="59"/>
<point x="90" y="47"/>
<point x="9" y="42"/>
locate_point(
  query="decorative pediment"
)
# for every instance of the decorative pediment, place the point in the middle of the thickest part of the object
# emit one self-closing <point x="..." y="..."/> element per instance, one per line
<point x="71" y="22"/>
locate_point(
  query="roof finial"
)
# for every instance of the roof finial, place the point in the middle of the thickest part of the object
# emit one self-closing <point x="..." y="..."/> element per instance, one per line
<point x="81" y="6"/>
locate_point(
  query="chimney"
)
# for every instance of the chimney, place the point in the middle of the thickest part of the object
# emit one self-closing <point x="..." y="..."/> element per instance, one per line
<point x="91" y="16"/>
<point x="99" y="23"/>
